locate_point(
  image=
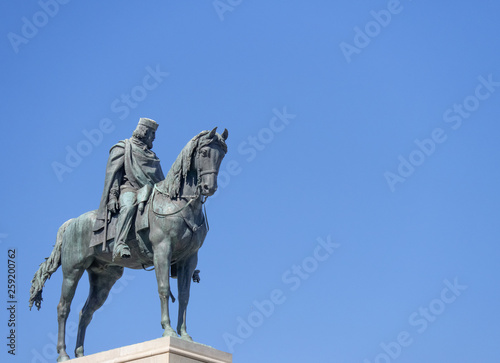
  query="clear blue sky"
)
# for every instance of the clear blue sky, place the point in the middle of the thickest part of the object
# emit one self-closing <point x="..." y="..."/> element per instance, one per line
<point x="357" y="214"/>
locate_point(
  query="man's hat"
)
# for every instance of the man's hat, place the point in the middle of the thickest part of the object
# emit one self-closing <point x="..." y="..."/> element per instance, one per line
<point x="148" y="122"/>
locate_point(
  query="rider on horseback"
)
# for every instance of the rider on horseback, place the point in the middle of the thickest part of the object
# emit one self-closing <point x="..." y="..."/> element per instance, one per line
<point x="131" y="165"/>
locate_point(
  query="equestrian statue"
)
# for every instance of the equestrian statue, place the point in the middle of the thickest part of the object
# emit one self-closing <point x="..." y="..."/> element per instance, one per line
<point x="144" y="220"/>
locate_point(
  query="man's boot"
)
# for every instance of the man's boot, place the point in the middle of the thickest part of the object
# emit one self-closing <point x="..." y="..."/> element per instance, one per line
<point x="121" y="249"/>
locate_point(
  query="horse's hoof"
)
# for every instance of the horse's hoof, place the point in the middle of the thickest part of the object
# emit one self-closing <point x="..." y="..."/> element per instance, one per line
<point x="63" y="358"/>
<point x="169" y="333"/>
<point x="79" y="352"/>
<point x="187" y="337"/>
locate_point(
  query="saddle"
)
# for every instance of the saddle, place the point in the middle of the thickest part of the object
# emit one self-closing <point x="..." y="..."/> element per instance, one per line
<point x="140" y="222"/>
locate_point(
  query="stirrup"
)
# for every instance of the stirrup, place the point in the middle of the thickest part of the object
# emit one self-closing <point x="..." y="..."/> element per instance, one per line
<point x="123" y="250"/>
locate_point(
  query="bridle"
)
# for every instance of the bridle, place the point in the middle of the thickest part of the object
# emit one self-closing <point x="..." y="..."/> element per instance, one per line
<point x="211" y="171"/>
<point x="198" y="182"/>
<point x="203" y="172"/>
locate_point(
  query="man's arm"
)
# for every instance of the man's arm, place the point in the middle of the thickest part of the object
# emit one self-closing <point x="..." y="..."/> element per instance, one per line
<point x="115" y="173"/>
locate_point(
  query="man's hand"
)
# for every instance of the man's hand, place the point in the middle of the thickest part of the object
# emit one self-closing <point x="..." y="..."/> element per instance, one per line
<point x="113" y="205"/>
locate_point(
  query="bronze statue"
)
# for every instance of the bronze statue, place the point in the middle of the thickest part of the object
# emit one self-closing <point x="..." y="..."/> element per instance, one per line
<point x="167" y="234"/>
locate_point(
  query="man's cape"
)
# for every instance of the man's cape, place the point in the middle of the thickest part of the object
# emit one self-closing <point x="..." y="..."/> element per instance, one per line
<point x="141" y="166"/>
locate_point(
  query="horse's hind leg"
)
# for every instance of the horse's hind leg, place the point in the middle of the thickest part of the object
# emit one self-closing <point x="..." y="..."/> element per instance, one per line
<point x="101" y="282"/>
<point x="70" y="281"/>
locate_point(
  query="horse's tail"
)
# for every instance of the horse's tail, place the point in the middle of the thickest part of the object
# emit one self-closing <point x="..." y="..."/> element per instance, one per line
<point x="47" y="268"/>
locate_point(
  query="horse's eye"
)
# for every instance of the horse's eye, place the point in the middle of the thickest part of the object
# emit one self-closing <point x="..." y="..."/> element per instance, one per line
<point x="204" y="152"/>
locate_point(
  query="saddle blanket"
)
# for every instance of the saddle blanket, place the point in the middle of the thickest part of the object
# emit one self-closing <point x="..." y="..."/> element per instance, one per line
<point x="141" y="222"/>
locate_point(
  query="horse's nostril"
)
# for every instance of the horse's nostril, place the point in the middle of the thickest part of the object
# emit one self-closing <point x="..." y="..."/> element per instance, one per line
<point x="205" y="186"/>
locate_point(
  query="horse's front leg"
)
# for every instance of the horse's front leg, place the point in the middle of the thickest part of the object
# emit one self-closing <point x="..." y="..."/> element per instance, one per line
<point x="185" y="270"/>
<point x="162" y="258"/>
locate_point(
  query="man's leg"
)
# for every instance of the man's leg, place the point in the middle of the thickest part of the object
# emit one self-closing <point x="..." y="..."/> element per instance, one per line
<point x="125" y="218"/>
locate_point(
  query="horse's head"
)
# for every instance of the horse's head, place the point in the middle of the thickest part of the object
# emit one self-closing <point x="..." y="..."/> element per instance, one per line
<point x="207" y="158"/>
<point x="195" y="170"/>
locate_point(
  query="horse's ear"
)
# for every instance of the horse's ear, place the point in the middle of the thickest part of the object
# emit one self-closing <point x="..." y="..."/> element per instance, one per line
<point x="224" y="135"/>
<point x="212" y="133"/>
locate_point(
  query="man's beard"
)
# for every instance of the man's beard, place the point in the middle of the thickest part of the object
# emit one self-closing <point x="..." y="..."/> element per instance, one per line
<point x="146" y="141"/>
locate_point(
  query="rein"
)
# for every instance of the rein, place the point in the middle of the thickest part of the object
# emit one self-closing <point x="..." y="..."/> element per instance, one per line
<point x="195" y="228"/>
<point x="172" y="213"/>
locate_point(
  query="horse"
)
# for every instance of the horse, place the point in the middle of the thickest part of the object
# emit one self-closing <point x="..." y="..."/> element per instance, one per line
<point x="177" y="229"/>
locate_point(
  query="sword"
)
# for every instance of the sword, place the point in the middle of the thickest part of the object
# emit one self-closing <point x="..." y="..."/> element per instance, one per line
<point x="105" y="229"/>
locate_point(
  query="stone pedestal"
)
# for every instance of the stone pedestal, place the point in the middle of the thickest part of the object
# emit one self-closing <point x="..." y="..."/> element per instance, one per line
<point x="162" y="350"/>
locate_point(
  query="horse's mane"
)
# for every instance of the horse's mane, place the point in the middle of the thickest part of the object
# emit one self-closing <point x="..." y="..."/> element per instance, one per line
<point x="181" y="166"/>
